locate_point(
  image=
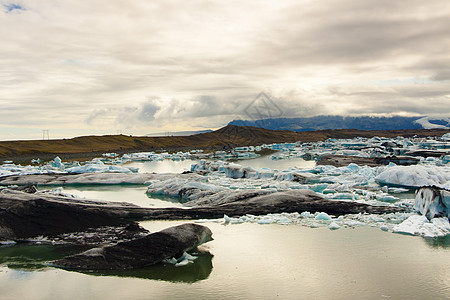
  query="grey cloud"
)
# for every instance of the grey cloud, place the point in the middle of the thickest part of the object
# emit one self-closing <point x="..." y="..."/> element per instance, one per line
<point x="204" y="61"/>
<point x="355" y="31"/>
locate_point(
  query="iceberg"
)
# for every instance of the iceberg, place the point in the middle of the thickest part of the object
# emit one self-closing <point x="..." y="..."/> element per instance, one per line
<point x="323" y="216"/>
<point x="420" y="225"/>
<point x="414" y="176"/>
<point x="97" y="166"/>
<point x="432" y="202"/>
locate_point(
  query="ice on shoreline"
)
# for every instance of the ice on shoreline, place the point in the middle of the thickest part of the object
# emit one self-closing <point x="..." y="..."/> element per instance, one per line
<point x="380" y="185"/>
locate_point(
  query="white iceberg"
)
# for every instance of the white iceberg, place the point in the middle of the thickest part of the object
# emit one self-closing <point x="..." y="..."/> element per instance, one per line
<point x="414" y="176"/>
<point x="420" y="225"/>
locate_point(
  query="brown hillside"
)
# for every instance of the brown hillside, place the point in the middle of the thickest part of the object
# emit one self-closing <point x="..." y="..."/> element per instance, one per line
<point x="227" y="136"/>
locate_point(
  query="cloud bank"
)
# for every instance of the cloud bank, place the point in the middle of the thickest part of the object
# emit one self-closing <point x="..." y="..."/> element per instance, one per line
<point x="100" y="66"/>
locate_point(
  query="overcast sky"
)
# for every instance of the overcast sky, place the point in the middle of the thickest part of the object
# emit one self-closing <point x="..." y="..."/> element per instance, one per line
<point x="106" y="66"/>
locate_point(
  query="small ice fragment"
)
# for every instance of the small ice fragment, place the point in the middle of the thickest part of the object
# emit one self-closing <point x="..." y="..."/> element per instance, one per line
<point x="333" y="226"/>
<point x="183" y="263"/>
<point x="265" y="221"/>
<point x="306" y="214"/>
<point x="226" y="219"/>
<point x="314" y="225"/>
<point x="284" y="221"/>
<point x="384" y="228"/>
<point x="323" y="216"/>
<point x="386" y="198"/>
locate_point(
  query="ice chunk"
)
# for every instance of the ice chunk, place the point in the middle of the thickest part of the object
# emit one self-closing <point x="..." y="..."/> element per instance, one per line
<point x="432" y="202"/>
<point x="414" y="176"/>
<point x="97" y="166"/>
<point x="234" y="171"/>
<point x="384" y="227"/>
<point x="306" y="214"/>
<point x="386" y="198"/>
<point x="419" y="225"/>
<point x="446" y="137"/>
<point x="333" y="226"/>
<point x="397" y="190"/>
<point x="57" y="163"/>
<point x="323" y="216"/>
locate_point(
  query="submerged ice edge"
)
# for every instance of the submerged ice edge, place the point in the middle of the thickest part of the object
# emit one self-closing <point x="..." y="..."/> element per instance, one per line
<point x="404" y="223"/>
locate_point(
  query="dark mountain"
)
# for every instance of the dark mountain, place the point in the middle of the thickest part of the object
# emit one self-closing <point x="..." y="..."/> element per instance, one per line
<point x="337" y="122"/>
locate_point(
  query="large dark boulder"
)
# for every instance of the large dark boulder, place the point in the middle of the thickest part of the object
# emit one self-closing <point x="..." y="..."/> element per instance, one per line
<point x="141" y="252"/>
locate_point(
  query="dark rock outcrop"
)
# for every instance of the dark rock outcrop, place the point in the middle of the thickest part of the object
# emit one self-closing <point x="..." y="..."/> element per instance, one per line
<point x="76" y="179"/>
<point x="345" y="160"/>
<point x="25" y="215"/>
<point x="141" y="252"/>
<point x="427" y="153"/>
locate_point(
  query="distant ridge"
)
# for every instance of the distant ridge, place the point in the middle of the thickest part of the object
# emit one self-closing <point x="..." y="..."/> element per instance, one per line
<point x="179" y="133"/>
<point x="341" y="122"/>
<point x="228" y="136"/>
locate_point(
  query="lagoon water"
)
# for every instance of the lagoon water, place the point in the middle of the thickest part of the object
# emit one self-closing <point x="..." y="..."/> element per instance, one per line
<point x="246" y="261"/>
<point x="250" y="261"/>
<point x="170" y="166"/>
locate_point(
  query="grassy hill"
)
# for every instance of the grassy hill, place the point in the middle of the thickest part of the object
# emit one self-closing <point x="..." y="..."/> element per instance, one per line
<point x="230" y="135"/>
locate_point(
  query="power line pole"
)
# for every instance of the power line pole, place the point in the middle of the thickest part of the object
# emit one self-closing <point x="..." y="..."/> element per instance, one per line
<point x="45" y="134"/>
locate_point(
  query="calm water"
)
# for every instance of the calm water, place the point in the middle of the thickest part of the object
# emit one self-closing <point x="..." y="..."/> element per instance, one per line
<point x="128" y="193"/>
<point x="245" y="261"/>
<point x="250" y="261"/>
<point x="169" y="166"/>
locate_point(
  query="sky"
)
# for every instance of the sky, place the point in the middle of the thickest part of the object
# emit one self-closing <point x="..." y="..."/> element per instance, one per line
<point x="138" y="67"/>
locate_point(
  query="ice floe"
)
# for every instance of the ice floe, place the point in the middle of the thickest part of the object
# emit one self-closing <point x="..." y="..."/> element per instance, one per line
<point x="386" y="222"/>
<point x="414" y="176"/>
<point x="218" y="180"/>
<point x="420" y="225"/>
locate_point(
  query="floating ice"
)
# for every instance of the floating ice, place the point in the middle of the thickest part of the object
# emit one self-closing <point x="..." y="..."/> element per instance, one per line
<point x="432" y="202"/>
<point x="97" y="166"/>
<point x="420" y="225"/>
<point x="234" y="170"/>
<point x="414" y="176"/>
<point x="333" y="226"/>
<point x="57" y="163"/>
<point x="446" y="137"/>
<point x="183" y="260"/>
<point x="323" y="216"/>
<point x="384" y="227"/>
<point x="188" y="188"/>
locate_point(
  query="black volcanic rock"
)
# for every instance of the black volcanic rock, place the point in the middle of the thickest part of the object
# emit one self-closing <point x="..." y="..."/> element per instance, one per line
<point x="24" y="216"/>
<point x="345" y="160"/>
<point x="141" y="252"/>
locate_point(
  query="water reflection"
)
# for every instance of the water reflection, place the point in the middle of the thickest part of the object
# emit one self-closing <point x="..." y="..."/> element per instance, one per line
<point x="284" y="164"/>
<point x="161" y="166"/>
<point x="33" y="257"/>
<point x="199" y="269"/>
<point x="26" y="257"/>
<point x="438" y="242"/>
<point x="129" y="193"/>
